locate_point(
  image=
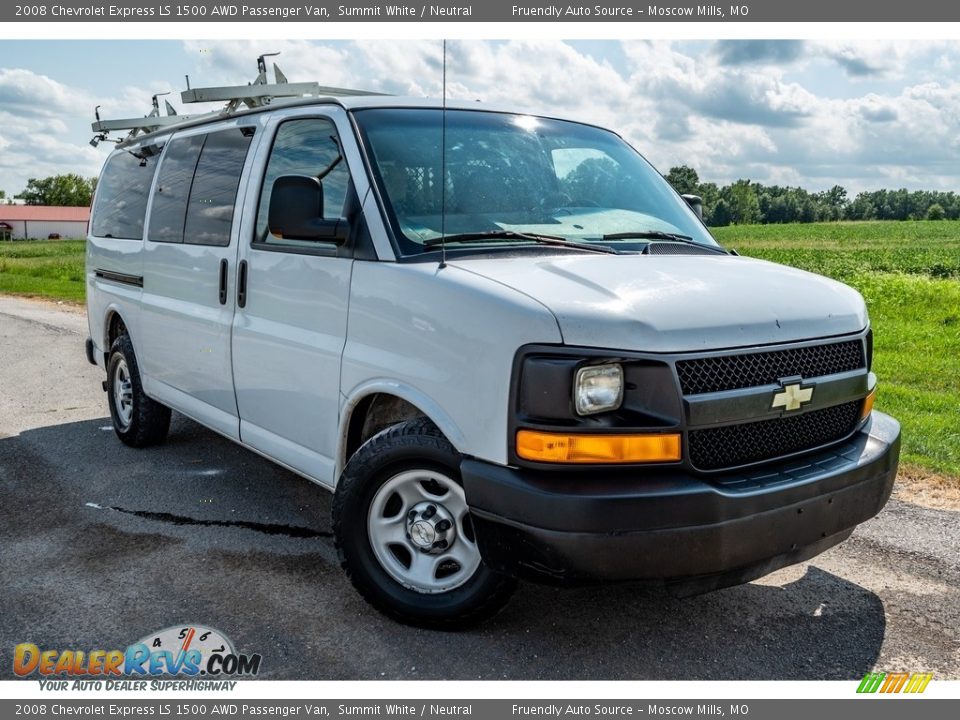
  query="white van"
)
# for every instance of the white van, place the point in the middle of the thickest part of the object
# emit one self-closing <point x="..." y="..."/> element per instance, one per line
<point x="502" y="341"/>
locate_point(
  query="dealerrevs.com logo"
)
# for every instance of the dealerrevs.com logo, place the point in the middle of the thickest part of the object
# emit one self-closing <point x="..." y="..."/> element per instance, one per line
<point x="183" y="651"/>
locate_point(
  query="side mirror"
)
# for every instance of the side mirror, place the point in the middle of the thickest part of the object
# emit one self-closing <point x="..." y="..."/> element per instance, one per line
<point x="296" y="211"/>
<point x="696" y="203"/>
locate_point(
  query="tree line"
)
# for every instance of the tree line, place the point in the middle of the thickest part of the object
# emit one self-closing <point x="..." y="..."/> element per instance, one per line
<point x="743" y="202"/>
<point x="70" y="190"/>
<point x="746" y="202"/>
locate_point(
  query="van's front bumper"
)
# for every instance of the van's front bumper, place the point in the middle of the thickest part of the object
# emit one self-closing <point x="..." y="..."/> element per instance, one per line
<point x="579" y="526"/>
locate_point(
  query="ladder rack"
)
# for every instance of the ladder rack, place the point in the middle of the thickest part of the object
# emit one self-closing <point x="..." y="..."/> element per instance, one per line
<point x="259" y="93"/>
<point x="153" y="121"/>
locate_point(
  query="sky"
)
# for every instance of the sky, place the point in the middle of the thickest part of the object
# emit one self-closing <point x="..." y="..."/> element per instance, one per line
<point x="862" y="114"/>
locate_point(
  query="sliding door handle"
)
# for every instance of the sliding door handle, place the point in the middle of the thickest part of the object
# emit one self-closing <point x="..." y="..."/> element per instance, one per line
<point x="223" y="281"/>
<point x="242" y="284"/>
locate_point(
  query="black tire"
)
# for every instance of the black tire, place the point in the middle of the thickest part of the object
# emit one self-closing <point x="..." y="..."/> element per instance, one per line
<point x="147" y="421"/>
<point x="413" y="445"/>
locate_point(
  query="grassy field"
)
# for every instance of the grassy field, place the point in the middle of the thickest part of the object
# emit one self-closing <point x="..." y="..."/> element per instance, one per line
<point x="909" y="273"/>
<point x="43" y="268"/>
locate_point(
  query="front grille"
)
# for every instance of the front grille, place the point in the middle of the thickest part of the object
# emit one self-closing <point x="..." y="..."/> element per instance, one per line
<point x="731" y="372"/>
<point x="733" y="445"/>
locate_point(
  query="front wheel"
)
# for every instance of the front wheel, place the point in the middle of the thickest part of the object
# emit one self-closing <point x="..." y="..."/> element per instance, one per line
<point x="404" y="532"/>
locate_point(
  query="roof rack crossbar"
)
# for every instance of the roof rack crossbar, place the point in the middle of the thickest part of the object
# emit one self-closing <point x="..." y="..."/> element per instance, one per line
<point x="261" y="92"/>
<point x="142" y="124"/>
<point x="266" y="92"/>
<point x="256" y="94"/>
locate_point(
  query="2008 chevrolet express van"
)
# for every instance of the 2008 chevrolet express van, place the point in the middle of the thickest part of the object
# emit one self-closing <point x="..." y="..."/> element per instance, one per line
<point x="503" y="341"/>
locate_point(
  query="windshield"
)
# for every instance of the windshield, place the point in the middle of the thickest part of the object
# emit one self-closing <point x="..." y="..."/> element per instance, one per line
<point x="518" y="173"/>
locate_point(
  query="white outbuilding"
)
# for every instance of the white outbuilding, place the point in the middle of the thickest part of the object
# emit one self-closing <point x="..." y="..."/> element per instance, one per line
<point x="42" y="222"/>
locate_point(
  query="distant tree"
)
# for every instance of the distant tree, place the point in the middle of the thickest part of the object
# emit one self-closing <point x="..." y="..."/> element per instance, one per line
<point x="743" y="201"/>
<point x="861" y="208"/>
<point x="936" y="212"/>
<point x="70" y="189"/>
<point x="710" y="194"/>
<point x="832" y="203"/>
<point x="684" y="180"/>
<point x="720" y="215"/>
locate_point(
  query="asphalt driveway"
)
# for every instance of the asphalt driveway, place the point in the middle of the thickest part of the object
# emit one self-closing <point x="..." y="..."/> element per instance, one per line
<point x="102" y="544"/>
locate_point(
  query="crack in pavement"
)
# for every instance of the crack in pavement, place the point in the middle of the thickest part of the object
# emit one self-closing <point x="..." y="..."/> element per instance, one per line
<point x="266" y="528"/>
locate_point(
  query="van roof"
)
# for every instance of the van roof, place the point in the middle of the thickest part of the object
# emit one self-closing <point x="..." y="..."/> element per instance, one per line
<point x="355" y="102"/>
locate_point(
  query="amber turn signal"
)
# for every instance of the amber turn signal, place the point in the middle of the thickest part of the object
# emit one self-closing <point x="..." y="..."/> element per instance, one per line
<point x="565" y="448"/>
<point x="868" y="404"/>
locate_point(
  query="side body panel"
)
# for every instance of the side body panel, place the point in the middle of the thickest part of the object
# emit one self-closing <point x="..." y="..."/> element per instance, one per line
<point x="287" y="343"/>
<point x="185" y="346"/>
<point x="107" y="260"/>
<point x="444" y="340"/>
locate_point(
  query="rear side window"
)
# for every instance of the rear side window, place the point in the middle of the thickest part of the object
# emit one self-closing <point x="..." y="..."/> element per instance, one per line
<point x="122" y="193"/>
<point x="197" y="188"/>
<point x="169" y="209"/>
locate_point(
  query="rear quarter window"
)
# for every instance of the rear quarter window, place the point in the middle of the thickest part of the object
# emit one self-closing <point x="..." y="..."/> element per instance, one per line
<point x="122" y="193"/>
<point x="169" y="210"/>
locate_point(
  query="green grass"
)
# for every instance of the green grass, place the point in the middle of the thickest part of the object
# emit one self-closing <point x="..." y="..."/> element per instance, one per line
<point x="842" y="250"/>
<point x="43" y="268"/>
<point x="909" y="274"/>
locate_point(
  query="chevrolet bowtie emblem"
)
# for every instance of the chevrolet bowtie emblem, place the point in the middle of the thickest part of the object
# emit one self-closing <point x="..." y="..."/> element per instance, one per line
<point x="792" y="397"/>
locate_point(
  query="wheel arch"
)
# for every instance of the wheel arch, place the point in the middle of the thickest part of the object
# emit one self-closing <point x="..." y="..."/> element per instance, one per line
<point x="114" y="324"/>
<point x="379" y="404"/>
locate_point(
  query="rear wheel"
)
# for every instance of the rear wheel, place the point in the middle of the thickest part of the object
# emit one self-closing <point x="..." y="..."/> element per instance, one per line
<point x="405" y="535"/>
<point x="137" y="420"/>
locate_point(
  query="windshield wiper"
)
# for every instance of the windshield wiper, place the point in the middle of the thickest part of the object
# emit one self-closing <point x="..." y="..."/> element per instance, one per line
<point x="497" y="235"/>
<point x="661" y="235"/>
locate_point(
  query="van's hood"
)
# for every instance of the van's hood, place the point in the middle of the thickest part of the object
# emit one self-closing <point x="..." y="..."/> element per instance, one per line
<point x="678" y="303"/>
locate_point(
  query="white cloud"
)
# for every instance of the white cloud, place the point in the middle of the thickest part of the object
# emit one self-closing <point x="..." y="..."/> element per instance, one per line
<point x="36" y="113"/>
<point x="862" y="114"/>
<point x="29" y="94"/>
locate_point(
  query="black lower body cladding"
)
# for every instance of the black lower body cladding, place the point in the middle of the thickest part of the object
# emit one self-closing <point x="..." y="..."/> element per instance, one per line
<point x="702" y="533"/>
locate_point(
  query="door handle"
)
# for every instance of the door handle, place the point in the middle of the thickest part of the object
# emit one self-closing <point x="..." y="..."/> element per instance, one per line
<point x="242" y="284"/>
<point x="223" y="281"/>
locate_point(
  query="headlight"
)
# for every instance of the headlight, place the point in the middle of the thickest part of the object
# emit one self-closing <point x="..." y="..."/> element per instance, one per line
<point x="598" y="388"/>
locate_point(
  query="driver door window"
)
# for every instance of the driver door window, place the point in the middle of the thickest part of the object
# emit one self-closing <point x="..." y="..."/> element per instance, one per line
<point x="308" y="147"/>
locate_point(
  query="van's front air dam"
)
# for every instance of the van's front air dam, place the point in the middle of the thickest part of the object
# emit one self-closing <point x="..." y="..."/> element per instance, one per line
<point x="587" y="525"/>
